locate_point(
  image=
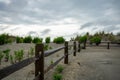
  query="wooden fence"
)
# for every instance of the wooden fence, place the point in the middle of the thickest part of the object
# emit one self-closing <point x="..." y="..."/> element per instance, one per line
<point x="39" y="60"/>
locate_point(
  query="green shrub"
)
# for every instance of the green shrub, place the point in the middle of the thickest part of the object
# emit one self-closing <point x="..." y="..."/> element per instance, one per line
<point x="47" y="47"/>
<point x="47" y="40"/>
<point x="9" y="40"/>
<point x="37" y="40"/>
<point x="1" y="56"/>
<point x="59" y="40"/>
<point x="18" y="55"/>
<point x="57" y="76"/>
<point x="31" y="52"/>
<point x="59" y="69"/>
<point x="83" y="39"/>
<point x="50" y="47"/>
<point x="7" y="54"/>
<point x="19" y="40"/>
<point x="96" y="40"/>
<point x="51" y="62"/>
<point x="27" y="39"/>
<point x="92" y="40"/>
<point x="3" y="39"/>
<point x="11" y="59"/>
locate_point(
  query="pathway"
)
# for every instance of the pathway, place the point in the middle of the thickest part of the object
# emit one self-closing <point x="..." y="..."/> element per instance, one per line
<point x="94" y="63"/>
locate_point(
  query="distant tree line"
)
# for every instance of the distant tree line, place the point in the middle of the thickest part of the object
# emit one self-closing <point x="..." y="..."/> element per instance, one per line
<point x="95" y="38"/>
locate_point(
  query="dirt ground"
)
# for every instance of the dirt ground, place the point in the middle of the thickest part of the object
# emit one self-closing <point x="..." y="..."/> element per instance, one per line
<point x="92" y="63"/>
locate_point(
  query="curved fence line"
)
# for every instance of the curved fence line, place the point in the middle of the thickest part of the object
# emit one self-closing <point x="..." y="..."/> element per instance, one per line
<point x="39" y="60"/>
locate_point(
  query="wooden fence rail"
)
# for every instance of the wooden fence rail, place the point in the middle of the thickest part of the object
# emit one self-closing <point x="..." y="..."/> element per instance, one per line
<point x="12" y="68"/>
<point x="49" y="52"/>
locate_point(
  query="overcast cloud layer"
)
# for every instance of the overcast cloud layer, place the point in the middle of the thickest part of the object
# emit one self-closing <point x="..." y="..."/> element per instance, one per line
<point x="59" y="17"/>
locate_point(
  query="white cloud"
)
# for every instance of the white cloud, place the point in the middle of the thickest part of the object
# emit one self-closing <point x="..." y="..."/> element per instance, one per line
<point x="60" y="17"/>
<point x="59" y="30"/>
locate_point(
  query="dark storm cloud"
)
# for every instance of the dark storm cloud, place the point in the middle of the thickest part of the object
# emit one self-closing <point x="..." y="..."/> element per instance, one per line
<point x="86" y="25"/>
<point x="92" y="12"/>
<point x="111" y="28"/>
<point x="46" y="31"/>
<point x="32" y="33"/>
<point x="110" y="25"/>
<point x="2" y="6"/>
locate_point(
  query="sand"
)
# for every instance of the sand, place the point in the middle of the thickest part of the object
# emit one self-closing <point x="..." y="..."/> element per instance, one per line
<point x="92" y="63"/>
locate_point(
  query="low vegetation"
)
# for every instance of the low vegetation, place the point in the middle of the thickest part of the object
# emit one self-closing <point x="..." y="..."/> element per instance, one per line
<point x="83" y="39"/>
<point x="27" y="39"/>
<point x="47" y="40"/>
<point x="11" y="59"/>
<point x="96" y="40"/>
<point x="31" y="52"/>
<point x="19" y="39"/>
<point x="37" y="40"/>
<point x="57" y="76"/>
<point x="1" y="56"/>
<point x="102" y="35"/>
<point x="47" y="47"/>
<point x="7" y="54"/>
<point x="58" y="73"/>
<point x="18" y="55"/>
<point x="59" y="40"/>
<point x="4" y="39"/>
<point x="51" y="61"/>
<point x="59" y="69"/>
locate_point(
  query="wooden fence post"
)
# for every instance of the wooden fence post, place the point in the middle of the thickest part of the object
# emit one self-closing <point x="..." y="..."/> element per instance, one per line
<point x="79" y="48"/>
<point x="108" y="45"/>
<point x="39" y="63"/>
<point x="84" y="45"/>
<point x="74" y="48"/>
<point x="66" y="53"/>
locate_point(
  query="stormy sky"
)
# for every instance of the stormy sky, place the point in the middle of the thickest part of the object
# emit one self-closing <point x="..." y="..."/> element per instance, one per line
<point x="53" y="18"/>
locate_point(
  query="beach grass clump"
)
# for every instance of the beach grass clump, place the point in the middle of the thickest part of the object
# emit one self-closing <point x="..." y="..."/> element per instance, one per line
<point x="7" y="54"/>
<point x="58" y="73"/>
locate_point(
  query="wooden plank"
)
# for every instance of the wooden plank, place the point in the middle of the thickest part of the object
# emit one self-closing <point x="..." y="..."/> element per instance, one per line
<point x="39" y="64"/>
<point x="50" y="52"/>
<point x="74" y="53"/>
<point x="79" y="48"/>
<point x="66" y="53"/>
<point x="108" y="45"/>
<point x="15" y="67"/>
